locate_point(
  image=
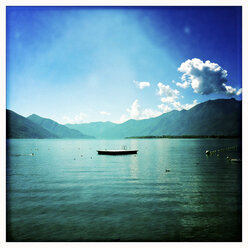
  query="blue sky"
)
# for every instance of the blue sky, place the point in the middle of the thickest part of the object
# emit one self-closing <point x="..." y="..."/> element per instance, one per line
<point x="84" y="64"/>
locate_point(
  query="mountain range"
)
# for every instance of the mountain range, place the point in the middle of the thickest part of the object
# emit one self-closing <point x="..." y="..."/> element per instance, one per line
<point x="21" y="127"/>
<point x="214" y="117"/>
<point x="35" y="126"/>
<point x="222" y="117"/>
<point x="59" y="130"/>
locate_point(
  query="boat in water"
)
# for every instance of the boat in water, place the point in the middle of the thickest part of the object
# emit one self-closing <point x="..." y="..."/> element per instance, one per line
<point x="236" y="160"/>
<point x="117" y="152"/>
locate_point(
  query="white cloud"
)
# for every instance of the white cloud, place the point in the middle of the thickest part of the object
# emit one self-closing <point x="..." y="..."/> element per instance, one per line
<point x="189" y="106"/>
<point x="184" y="85"/>
<point x="172" y="99"/>
<point x="178" y="106"/>
<point x="105" y="113"/>
<point x="167" y="91"/>
<point x="142" y="85"/>
<point x="232" y="91"/>
<point x="229" y="89"/>
<point x="137" y="113"/>
<point x="122" y="119"/>
<point x="164" y="108"/>
<point x="170" y="96"/>
<point x="134" y="111"/>
<point x="168" y="99"/>
<point x="205" y="78"/>
<point x="239" y="92"/>
<point x="149" y="113"/>
<point x="80" y="118"/>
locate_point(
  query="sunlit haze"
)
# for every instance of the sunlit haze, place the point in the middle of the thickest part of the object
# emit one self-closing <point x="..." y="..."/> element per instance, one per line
<point x="85" y="64"/>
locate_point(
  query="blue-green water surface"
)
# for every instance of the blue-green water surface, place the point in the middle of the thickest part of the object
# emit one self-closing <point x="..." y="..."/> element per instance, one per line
<point x="169" y="191"/>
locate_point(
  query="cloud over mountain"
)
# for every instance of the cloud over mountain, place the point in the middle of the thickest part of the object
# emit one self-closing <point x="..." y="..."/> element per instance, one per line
<point x="104" y="113"/>
<point x="187" y="106"/>
<point x="164" y="108"/>
<point x="77" y="119"/>
<point x="205" y="78"/>
<point x="170" y="95"/>
<point x="136" y="112"/>
<point x="171" y="98"/>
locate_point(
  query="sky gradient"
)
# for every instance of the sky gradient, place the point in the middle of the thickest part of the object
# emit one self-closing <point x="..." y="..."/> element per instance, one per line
<point x="84" y="64"/>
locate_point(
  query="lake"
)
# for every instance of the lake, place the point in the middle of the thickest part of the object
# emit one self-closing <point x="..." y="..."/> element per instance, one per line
<point x="169" y="191"/>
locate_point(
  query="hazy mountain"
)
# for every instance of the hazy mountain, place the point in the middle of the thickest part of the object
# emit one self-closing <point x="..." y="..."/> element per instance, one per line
<point x="97" y="129"/>
<point x="59" y="130"/>
<point x="214" y="117"/>
<point x="20" y="127"/>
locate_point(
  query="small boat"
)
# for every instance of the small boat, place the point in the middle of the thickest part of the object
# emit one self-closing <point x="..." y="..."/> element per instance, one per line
<point x="117" y="152"/>
<point x="235" y="160"/>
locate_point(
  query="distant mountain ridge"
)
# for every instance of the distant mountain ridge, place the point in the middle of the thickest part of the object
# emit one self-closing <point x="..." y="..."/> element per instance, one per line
<point x="213" y="117"/>
<point x="59" y="130"/>
<point x="221" y="117"/>
<point x="20" y="127"/>
<point x="96" y="129"/>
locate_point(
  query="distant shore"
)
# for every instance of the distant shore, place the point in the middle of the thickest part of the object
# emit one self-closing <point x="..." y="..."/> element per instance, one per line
<point x="185" y="137"/>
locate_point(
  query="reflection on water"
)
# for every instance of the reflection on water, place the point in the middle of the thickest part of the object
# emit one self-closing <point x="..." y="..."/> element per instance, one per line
<point x="169" y="191"/>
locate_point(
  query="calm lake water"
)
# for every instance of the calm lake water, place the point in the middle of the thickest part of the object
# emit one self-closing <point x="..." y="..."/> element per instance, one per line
<point x="67" y="192"/>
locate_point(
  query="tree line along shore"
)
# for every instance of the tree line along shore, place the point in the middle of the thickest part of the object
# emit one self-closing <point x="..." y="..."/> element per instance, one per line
<point x="185" y="137"/>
